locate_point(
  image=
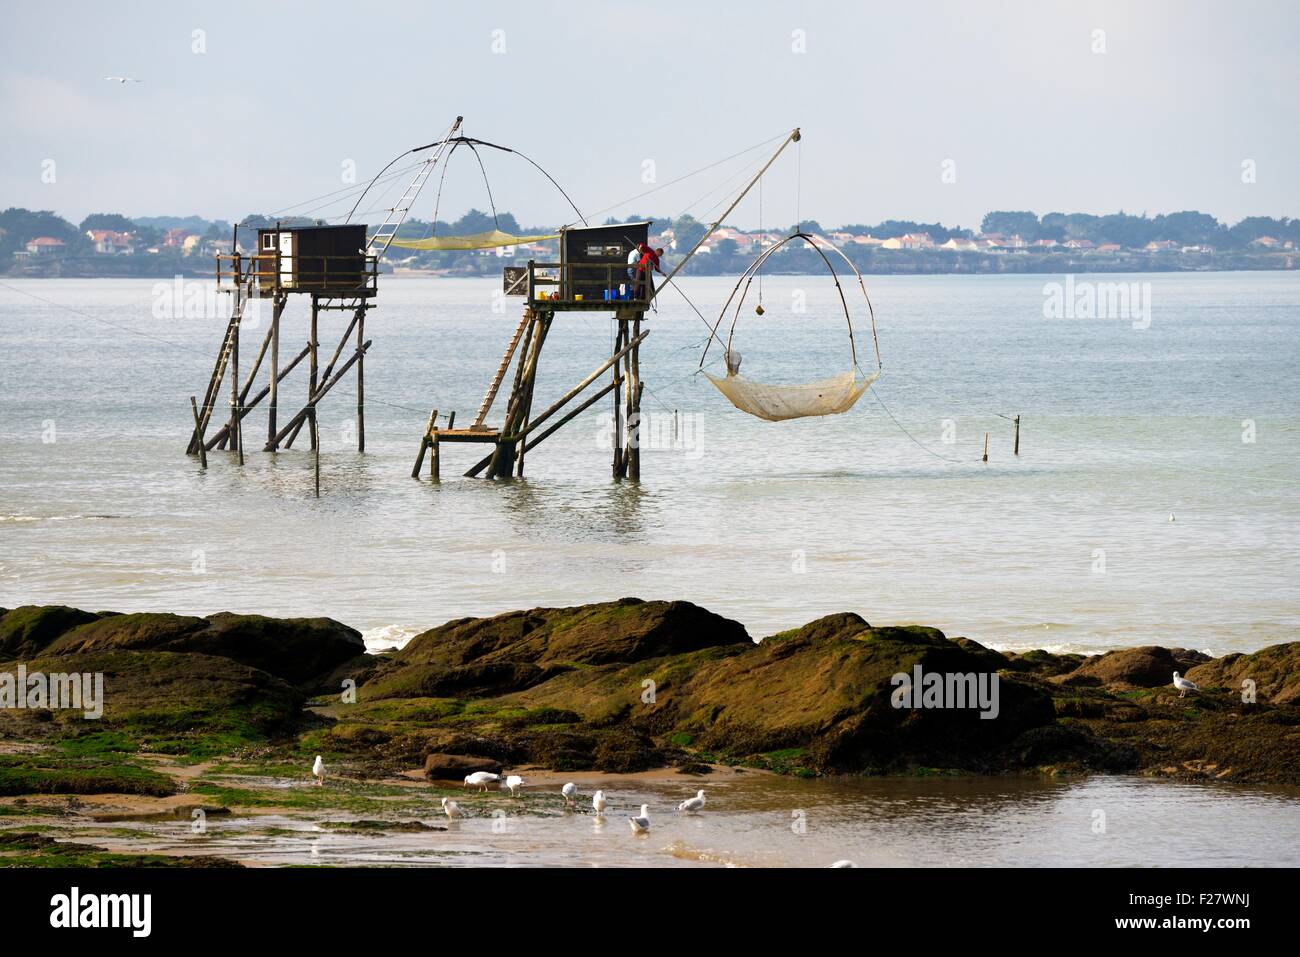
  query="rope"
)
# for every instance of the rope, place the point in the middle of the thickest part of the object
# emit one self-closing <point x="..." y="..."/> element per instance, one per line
<point x="918" y="442"/>
<point x="955" y="401"/>
<point x="702" y="169"/>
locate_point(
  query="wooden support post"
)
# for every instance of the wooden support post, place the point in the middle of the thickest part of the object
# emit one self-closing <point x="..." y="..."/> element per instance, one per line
<point x="320" y="394"/>
<point x="234" y="389"/>
<point x="635" y="388"/>
<point x="361" y="380"/>
<point x="271" y="441"/>
<point x="248" y="406"/>
<point x="503" y="459"/>
<point x="986" y="446"/>
<point x="1017" y="449"/>
<point x="611" y="387"/>
<point x="435" y="460"/>
<point x="617" y="467"/>
<point x="312" y="370"/>
<point x="203" y="453"/>
<point x="425" y="441"/>
<point x="315" y="444"/>
<point x="329" y="366"/>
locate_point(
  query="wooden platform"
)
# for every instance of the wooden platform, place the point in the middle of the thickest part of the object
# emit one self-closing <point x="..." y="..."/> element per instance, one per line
<point x="465" y="435"/>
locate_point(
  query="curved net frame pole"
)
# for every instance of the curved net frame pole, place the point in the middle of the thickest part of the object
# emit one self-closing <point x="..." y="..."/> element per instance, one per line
<point x="747" y="278"/>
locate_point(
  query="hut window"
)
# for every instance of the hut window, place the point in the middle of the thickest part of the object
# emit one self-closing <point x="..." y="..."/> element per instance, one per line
<point x="602" y="250"/>
<point x="268" y="240"/>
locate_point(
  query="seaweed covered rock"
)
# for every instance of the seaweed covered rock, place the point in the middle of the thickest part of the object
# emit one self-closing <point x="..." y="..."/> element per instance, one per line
<point x="1146" y="667"/>
<point x="295" y="649"/>
<point x="27" y="630"/>
<point x="161" y="701"/>
<point x="1275" y="671"/>
<point x="521" y="649"/>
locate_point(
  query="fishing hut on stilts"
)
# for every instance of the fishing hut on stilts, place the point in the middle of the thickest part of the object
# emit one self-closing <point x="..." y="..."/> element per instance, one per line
<point x="337" y="268"/>
<point x="593" y="275"/>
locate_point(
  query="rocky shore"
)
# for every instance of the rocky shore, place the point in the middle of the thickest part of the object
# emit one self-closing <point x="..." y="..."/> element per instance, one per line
<point x="620" y="687"/>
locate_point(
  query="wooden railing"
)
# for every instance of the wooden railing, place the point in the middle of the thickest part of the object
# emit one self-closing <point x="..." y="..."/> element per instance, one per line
<point x="345" y="275"/>
<point x="587" y="284"/>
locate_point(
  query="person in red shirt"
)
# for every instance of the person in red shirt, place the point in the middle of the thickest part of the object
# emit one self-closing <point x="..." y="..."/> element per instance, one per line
<point x="650" y="259"/>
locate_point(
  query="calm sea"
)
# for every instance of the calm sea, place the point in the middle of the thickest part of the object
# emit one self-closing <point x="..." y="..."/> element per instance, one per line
<point x="1156" y="497"/>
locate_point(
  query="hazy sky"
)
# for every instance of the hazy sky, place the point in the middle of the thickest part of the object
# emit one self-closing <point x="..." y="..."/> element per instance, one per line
<point x="1013" y="93"/>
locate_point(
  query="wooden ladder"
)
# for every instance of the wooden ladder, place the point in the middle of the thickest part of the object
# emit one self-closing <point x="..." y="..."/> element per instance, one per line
<point x="219" y="371"/>
<point x="501" y="371"/>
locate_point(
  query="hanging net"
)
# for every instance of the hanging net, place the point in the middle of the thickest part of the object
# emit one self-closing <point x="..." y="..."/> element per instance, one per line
<point x="775" y="403"/>
<point x="492" y="239"/>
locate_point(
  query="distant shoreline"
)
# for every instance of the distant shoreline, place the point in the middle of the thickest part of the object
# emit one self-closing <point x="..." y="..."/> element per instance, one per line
<point x="974" y="265"/>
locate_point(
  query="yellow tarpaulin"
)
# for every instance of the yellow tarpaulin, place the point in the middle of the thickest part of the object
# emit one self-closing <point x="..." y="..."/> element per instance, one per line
<point x="492" y="239"/>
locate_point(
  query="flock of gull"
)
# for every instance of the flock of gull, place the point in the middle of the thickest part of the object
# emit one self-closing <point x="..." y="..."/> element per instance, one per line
<point x="513" y="782"/>
<point x="640" y="824"/>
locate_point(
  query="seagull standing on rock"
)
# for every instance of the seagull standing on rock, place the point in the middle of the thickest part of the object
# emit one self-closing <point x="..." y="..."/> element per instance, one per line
<point x="598" y="803"/>
<point x="451" y="808"/>
<point x="693" y="804"/>
<point x="570" y="792"/>
<point x="318" y="769"/>
<point x="641" y="823"/>
<point x="480" y="779"/>
<point x="1184" y="686"/>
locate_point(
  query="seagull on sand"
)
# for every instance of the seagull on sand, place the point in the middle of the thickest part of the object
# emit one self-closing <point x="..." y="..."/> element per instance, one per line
<point x="513" y="783"/>
<point x="1184" y="686"/>
<point x="451" y="808"/>
<point x="694" y="804"/>
<point x="598" y="802"/>
<point x="480" y="779"/>
<point x="318" y="769"/>
<point x="570" y="792"/>
<point x="123" y="79"/>
<point x="843" y="864"/>
<point x="641" y="823"/>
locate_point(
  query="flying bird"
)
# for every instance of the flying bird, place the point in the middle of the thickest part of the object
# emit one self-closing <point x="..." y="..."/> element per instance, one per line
<point x="598" y="803"/>
<point x="451" y="808"/>
<point x="318" y="769"/>
<point x="641" y="823"/>
<point x="693" y="804"/>
<point x="123" y="79"/>
<point x="570" y="792"/>
<point x="513" y="783"/>
<point x="480" y="779"/>
<point x="1184" y="686"/>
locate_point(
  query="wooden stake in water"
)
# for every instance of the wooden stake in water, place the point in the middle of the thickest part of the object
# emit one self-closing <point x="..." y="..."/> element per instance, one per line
<point x="1017" y="449"/>
<point x="315" y="444"/>
<point x="986" y="446"/>
<point x="203" y="452"/>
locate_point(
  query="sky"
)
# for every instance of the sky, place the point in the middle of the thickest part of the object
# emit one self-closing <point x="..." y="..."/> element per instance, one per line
<point x="927" y="111"/>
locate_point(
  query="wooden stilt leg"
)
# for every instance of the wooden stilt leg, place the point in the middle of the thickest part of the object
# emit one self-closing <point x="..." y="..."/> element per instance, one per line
<point x="312" y="371"/>
<point x="234" y="389"/>
<point x="361" y="381"/>
<point x="275" y="372"/>
<point x="617" y="471"/>
<point x="636" y="387"/>
<point x="425" y="441"/>
<point x="203" y="453"/>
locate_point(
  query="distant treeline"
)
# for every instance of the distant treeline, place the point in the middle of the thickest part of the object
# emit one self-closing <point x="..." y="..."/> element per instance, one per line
<point x="1231" y="244"/>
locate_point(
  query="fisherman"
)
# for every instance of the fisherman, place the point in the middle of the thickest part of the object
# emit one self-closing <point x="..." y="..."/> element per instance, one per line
<point x="650" y="259"/>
